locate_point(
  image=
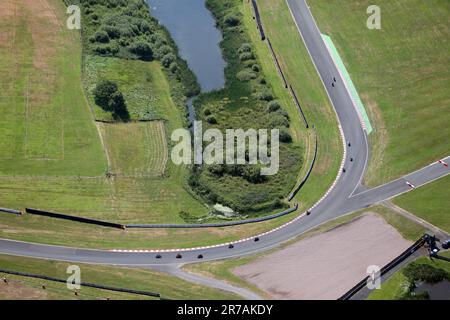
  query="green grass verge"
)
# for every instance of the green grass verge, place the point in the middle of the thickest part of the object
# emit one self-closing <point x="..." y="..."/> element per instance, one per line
<point x="401" y="73"/>
<point x="430" y="202"/>
<point x="169" y="287"/>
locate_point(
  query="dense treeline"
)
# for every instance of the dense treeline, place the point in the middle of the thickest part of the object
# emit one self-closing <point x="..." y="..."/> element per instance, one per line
<point x="247" y="101"/>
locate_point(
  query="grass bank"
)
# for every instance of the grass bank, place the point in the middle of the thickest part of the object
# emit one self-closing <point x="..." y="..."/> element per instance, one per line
<point x="46" y="126"/>
<point x="430" y="202"/>
<point x="24" y="288"/>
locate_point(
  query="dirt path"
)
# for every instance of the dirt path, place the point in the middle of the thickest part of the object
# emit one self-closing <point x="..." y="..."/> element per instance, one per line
<point x="325" y="266"/>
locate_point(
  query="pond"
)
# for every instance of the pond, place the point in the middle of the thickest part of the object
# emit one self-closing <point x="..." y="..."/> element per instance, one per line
<point x="436" y="291"/>
<point x="193" y="28"/>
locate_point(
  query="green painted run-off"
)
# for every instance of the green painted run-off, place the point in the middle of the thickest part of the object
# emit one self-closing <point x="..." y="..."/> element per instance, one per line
<point x="351" y="87"/>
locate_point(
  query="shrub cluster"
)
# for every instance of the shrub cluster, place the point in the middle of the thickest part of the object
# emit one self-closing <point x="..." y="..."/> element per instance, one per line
<point x="247" y="101"/>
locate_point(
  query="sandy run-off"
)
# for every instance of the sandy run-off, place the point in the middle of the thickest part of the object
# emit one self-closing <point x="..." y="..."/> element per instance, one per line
<point x="327" y="265"/>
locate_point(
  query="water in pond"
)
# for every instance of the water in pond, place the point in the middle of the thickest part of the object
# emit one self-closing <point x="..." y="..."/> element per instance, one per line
<point x="193" y="28"/>
<point x="437" y="291"/>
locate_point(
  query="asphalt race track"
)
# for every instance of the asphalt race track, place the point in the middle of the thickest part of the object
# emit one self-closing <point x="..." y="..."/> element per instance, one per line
<point x="346" y="195"/>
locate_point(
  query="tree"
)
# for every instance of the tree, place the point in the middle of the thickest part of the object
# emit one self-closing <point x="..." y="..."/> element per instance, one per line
<point x="103" y="92"/>
<point x="108" y="96"/>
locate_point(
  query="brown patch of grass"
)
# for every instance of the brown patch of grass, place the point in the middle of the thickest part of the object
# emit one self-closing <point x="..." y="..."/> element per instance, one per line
<point x="44" y="28"/>
<point x="15" y="290"/>
<point x="7" y="8"/>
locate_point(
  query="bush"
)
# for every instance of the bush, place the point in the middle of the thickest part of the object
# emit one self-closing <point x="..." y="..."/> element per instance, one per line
<point x="246" y="56"/>
<point x="163" y="50"/>
<point x="168" y="59"/>
<point x="285" y="136"/>
<point x="256" y="68"/>
<point x="173" y="67"/>
<point x="142" y="50"/>
<point x="252" y="173"/>
<point x="246" y="47"/>
<point x="216" y="169"/>
<point x="282" y="113"/>
<point x="246" y="75"/>
<point x="276" y="120"/>
<point x="232" y="20"/>
<point x="112" y="31"/>
<point x="211" y="119"/>
<point x="273" y="106"/>
<point x="424" y="272"/>
<point x="101" y="36"/>
<point x="265" y="95"/>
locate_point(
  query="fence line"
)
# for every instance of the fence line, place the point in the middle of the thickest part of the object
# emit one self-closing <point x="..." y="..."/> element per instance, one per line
<point x="402" y="257"/>
<point x="84" y="284"/>
<point x="212" y="225"/>
<point x="297" y="102"/>
<point x="6" y="210"/>
<point x="280" y="71"/>
<point x="296" y="190"/>
<point x="74" y="218"/>
<point x="258" y="20"/>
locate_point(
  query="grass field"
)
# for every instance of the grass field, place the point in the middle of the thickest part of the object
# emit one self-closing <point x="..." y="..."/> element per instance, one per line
<point x="46" y="126"/>
<point x="138" y="279"/>
<point x="401" y="72"/>
<point x="136" y="149"/>
<point x="144" y="85"/>
<point x="430" y="202"/>
<point x="60" y="166"/>
<point x="397" y="285"/>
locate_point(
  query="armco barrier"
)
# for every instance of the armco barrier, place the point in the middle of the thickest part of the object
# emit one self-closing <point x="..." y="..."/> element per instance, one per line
<point x="258" y="20"/>
<point x="211" y="225"/>
<point x="402" y="257"/>
<point x="280" y="71"/>
<point x="84" y="284"/>
<point x="10" y="211"/>
<point x="73" y="218"/>
<point x="296" y="190"/>
<point x="297" y="102"/>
